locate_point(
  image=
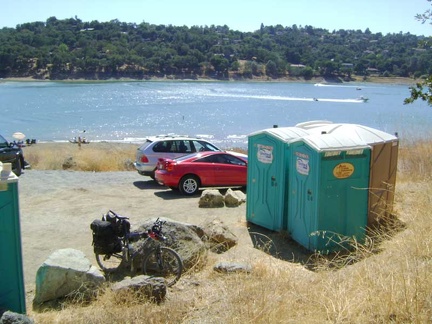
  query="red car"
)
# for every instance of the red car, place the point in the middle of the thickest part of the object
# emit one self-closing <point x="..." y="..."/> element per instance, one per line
<point x="204" y="169"/>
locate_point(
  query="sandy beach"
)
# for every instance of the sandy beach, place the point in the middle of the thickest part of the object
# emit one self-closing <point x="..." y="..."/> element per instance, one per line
<point x="369" y="79"/>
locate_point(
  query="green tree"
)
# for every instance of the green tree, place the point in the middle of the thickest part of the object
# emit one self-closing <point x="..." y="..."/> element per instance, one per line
<point x="422" y="90"/>
<point x="308" y="73"/>
<point x="271" y="68"/>
<point x="220" y="64"/>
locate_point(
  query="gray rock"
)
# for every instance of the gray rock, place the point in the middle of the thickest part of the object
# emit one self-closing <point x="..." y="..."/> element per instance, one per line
<point x="64" y="273"/>
<point x="211" y="199"/>
<point x="232" y="267"/>
<point x="9" y="317"/>
<point x="234" y="198"/>
<point x="69" y="163"/>
<point x="183" y="238"/>
<point x="141" y="287"/>
<point x="219" y="238"/>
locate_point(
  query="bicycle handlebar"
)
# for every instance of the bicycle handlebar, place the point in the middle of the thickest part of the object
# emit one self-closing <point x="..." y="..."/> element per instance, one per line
<point x="117" y="215"/>
<point x="156" y="230"/>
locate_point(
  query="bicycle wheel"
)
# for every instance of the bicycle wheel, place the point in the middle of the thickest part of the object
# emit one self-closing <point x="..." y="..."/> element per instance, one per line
<point x="109" y="262"/>
<point x="163" y="262"/>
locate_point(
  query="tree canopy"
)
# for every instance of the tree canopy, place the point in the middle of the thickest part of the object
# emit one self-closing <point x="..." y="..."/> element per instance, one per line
<point x="423" y="90"/>
<point x="71" y="48"/>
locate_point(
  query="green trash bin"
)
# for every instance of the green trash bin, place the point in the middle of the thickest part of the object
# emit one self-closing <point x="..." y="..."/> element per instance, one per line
<point x="12" y="291"/>
<point x="267" y="178"/>
<point x="328" y="194"/>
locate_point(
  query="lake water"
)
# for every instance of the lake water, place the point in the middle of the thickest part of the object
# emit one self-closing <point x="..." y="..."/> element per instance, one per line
<point x="225" y="112"/>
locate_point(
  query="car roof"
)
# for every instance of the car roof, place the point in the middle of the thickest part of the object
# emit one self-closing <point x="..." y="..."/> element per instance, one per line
<point x="173" y="137"/>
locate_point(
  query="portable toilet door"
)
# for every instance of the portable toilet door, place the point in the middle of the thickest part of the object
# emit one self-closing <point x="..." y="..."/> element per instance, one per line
<point x="302" y="204"/>
<point x="382" y="181"/>
<point x="267" y="176"/>
<point x="328" y="192"/>
<point x="12" y="290"/>
<point x="383" y="163"/>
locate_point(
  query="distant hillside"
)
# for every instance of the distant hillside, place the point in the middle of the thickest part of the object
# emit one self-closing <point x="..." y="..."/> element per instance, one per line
<point x="73" y="49"/>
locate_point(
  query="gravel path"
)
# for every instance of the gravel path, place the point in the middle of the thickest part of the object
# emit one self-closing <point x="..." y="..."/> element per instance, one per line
<point x="57" y="207"/>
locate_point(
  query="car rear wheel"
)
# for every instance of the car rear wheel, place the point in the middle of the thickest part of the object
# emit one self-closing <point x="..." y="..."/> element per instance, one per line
<point x="152" y="175"/>
<point x="17" y="167"/>
<point x="189" y="185"/>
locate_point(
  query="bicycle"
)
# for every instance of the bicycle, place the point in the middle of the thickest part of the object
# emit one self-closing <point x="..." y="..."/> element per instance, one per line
<point x="112" y="240"/>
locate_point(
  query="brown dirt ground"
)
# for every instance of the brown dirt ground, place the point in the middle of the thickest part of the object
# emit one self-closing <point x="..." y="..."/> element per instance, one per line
<point x="57" y="207"/>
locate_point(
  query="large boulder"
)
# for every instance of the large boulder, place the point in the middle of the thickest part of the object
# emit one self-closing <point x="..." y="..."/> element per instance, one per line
<point x="234" y="198"/>
<point x="211" y="198"/>
<point x="140" y="287"/>
<point x="184" y="238"/>
<point x="64" y="273"/>
<point x="218" y="236"/>
<point x="9" y="317"/>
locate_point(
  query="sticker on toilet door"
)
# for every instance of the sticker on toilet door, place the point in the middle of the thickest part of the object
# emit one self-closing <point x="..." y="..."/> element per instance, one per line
<point x="265" y="153"/>
<point x="302" y="166"/>
<point x="343" y="170"/>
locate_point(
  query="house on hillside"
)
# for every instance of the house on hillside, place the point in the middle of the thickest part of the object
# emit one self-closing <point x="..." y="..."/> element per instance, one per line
<point x="372" y="71"/>
<point x="298" y="66"/>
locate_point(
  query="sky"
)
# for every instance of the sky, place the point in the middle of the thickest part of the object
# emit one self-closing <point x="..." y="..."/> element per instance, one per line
<point x="385" y="16"/>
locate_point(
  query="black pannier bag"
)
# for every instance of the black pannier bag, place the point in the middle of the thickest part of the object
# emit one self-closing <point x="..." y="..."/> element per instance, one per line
<point x="120" y="226"/>
<point x="105" y="239"/>
<point x="123" y="228"/>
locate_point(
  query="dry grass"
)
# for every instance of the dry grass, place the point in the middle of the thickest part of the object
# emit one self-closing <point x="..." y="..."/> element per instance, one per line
<point x="415" y="161"/>
<point x="97" y="157"/>
<point x="387" y="280"/>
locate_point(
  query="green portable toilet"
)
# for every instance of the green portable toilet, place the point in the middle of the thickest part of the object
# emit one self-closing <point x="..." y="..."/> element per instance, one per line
<point x="383" y="163"/>
<point x="12" y="293"/>
<point x="328" y="194"/>
<point x="267" y="180"/>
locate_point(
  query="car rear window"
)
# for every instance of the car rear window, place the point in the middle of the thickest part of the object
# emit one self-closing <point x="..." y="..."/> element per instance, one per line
<point x="147" y="143"/>
<point x="162" y="146"/>
<point x="201" y="146"/>
<point x="3" y="142"/>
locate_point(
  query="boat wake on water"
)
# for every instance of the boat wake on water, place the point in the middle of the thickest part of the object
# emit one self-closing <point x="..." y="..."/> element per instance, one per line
<point x="288" y="98"/>
<point x="336" y="85"/>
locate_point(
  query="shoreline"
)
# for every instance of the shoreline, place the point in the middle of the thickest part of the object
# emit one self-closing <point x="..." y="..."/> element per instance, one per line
<point x="356" y="79"/>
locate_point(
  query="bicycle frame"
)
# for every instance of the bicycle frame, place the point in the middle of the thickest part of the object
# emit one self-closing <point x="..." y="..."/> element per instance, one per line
<point x="158" y="260"/>
<point x="150" y="239"/>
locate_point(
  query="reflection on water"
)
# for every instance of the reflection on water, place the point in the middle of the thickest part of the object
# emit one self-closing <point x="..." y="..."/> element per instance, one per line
<point x="225" y="112"/>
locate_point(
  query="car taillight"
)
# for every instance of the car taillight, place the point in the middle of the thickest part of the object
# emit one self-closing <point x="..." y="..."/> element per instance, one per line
<point x="160" y="164"/>
<point x="144" y="159"/>
<point x="169" y="165"/>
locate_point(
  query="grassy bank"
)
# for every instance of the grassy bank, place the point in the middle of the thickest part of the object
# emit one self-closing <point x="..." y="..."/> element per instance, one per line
<point x="97" y="157"/>
<point x="387" y="281"/>
<point x="354" y="78"/>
